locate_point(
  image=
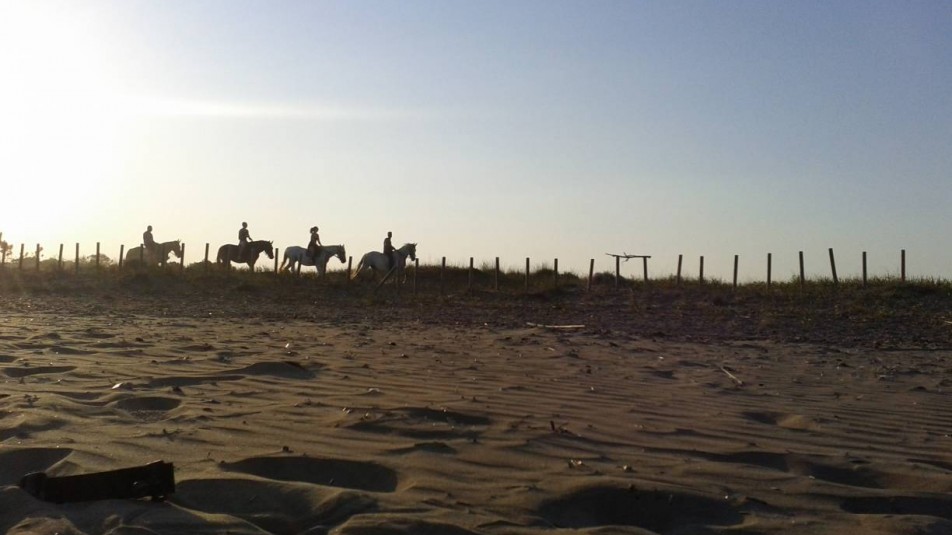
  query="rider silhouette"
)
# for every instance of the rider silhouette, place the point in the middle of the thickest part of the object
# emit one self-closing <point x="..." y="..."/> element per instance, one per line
<point x="388" y="250"/>
<point x="243" y="238"/>
<point x="314" y="246"/>
<point x="148" y="242"/>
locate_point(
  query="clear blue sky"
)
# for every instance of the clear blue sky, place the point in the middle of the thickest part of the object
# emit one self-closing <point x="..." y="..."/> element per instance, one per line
<point x="533" y="128"/>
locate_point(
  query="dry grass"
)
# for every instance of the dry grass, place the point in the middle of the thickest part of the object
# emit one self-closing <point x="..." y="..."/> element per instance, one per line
<point x="884" y="313"/>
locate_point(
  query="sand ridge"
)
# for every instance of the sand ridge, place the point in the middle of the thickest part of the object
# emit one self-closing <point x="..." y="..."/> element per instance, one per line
<point x="346" y="424"/>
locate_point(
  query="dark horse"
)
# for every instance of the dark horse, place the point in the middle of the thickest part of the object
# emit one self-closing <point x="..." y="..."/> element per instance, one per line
<point x="228" y="253"/>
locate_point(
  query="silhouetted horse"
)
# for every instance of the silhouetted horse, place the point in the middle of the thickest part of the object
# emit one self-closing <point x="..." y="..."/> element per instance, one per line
<point x="159" y="256"/>
<point x="298" y="255"/>
<point x="228" y="253"/>
<point x="377" y="261"/>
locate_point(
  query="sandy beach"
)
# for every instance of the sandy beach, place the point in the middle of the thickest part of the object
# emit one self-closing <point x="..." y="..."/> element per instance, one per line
<point x="477" y="414"/>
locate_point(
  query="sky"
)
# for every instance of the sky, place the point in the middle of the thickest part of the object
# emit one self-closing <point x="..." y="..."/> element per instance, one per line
<point x="537" y="128"/>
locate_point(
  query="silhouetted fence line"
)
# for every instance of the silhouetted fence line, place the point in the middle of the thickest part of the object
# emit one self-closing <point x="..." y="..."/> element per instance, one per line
<point x="97" y="263"/>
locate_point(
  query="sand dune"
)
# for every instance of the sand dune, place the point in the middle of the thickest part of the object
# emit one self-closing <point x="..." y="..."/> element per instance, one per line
<point x="470" y="423"/>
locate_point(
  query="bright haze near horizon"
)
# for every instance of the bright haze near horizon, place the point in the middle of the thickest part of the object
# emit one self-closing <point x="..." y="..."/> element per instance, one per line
<point x="541" y="129"/>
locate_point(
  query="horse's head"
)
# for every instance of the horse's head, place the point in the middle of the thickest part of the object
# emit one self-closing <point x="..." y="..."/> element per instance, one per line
<point x="177" y="248"/>
<point x="411" y="251"/>
<point x="341" y="254"/>
<point x="269" y="249"/>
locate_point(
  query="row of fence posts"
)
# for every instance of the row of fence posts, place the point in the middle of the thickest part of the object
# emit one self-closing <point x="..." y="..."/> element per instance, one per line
<point x="678" y="278"/>
<point x="496" y="272"/>
<point x="902" y="269"/>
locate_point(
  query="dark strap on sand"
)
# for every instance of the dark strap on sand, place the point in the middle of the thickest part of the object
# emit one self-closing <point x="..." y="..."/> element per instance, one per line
<point x="155" y="479"/>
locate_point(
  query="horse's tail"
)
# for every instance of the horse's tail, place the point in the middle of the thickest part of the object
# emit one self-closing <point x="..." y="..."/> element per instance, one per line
<point x="360" y="264"/>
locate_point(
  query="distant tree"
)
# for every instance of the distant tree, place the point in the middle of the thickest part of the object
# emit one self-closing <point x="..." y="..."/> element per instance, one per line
<point x="5" y="247"/>
<point x="103" y="260"/>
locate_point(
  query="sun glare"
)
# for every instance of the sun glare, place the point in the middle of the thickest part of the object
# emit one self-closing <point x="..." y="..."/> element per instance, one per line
<point x="58" y="129"/>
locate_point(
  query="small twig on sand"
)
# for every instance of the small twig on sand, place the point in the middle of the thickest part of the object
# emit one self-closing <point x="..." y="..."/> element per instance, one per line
<point x="544" y="326"/>
<point x="732" y="376"/>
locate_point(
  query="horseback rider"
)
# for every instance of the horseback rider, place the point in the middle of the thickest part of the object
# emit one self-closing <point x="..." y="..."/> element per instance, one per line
<point x="243" y="238"/>
<point x="314" y="246"/>
<point x="388" y="250"/>
<point x="148" y="242"/>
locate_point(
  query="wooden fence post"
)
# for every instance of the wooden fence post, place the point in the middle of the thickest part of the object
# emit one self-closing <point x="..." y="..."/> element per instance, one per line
<point x="802" y="275"/>
<point x="22" y="252"/>
<point x="469" y="285"/>
<point x="182" y="260"/>
<point x="769" y="262"/>
<point x="442" y="274"/>
<point x="97" y="256"/>
<point x="275" y="260"/>
<point x="617" y="270"/>
<point x="496" y="276"/>
<point x="591" y="273"/>
<point x="644" y="265"/>
<point x="38" y="248"/>
<point x="902" y="268"/>
<point x="864" y="269"/>
<point x="833" y="267"/>
<point x="556" y="272"/>
<point x="736" y="261"/>
<point x="680" y="257"/>
<point x="122" y="253"/>
<point x="59" y="259"/>
<point x="76" y="262"/>
<point x="350" y="266"/>
<point x="206" y="257"/>
<point x="701" y="274"/>
<point x="527" y="274"/>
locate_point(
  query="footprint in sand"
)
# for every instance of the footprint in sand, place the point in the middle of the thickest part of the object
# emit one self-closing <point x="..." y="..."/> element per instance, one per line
<point x="287" y="369"/>
<point x="787" y="421"/>
<point x="655" y="510"/>
<point x="824" y="469"/>
<point x="17" y="462"/>
<point x="425" y="424"/>
<point x="275" y="508"/>
<point x="392" y="524"/>
<point x="937" y="506"/>
<point x="27" y="371"/>
<point x="327" y="472"/>
<point x="147" y="408"/>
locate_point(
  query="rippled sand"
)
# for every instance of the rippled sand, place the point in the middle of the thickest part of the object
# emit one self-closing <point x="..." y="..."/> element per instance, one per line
<point x="476" y="423"/>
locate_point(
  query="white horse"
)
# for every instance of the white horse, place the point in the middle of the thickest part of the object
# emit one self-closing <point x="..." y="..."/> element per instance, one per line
<point x="377" y="261"/>
<point x="159" y="256"/>
<point x="298" y="255"/>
